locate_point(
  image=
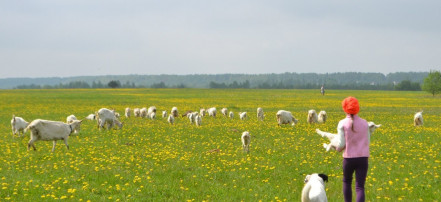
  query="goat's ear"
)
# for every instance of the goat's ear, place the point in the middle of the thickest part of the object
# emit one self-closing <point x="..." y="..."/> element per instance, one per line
<point x="324" y="177"/>
<point x="374" y="126"/>
<point x="81" y="121"/>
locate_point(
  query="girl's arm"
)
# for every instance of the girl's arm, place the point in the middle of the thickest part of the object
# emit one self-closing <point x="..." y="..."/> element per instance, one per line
<point x="341" y="135"/>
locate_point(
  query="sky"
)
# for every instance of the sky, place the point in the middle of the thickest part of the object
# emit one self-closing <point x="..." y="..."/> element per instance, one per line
<point x="52" y="38"/>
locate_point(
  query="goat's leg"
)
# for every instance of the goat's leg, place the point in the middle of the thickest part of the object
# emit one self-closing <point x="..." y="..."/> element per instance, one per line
<point x="53" y="145"/>
<point x="31" y="143"/>
<point x="65" y="142"/>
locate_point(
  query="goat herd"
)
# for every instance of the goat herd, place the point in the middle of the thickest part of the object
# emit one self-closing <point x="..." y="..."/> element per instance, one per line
<point x="55" y="130"/>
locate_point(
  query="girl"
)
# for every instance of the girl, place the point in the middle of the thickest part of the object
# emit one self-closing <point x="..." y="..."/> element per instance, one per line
<point x="354" y="143"/>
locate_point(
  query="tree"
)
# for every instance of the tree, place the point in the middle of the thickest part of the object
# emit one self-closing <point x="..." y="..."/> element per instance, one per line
<point x="432" y="83"/>
<point x="159" y="85"/>
<point x="114" y="84"/>
<point x="407" y="85"/>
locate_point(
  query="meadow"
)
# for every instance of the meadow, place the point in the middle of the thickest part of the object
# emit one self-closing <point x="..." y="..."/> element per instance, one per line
<point x="151" y="160"/>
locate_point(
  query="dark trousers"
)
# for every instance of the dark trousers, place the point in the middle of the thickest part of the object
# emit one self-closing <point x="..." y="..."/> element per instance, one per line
<point x="360" y="167"/>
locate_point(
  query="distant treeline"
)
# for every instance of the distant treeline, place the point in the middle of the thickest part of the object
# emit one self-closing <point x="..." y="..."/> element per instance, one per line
<point x="405" y="85"/>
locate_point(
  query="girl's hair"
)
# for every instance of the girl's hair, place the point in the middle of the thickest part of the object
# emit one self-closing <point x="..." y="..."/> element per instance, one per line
<point x="352" y="126"/>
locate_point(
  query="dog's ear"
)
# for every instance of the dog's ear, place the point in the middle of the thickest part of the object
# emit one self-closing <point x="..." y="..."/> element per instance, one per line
<point x="324" y="177"/>
<point x="307" y="178"/>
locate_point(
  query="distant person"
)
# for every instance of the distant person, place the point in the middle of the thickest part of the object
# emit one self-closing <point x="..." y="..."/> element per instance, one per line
<point x="354" y="143"/>
<point x="322" y="90"/>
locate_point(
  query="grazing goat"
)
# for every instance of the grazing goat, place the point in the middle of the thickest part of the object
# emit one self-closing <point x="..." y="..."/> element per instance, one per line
<point x="246" y="140"/>
<point x="322" y="116"/>
<point x="71" y="119"/>
<point x="152" y="115"/>
<point x="231" y="115"/>
<point x="243" y="115"/>
<point x="260" y="115"/>
<point x="137" y="112"/>
<point x="285" y="117"/>
<point x="171" y="119"/>
<point x="312" y="116"/>
<point x="106" y="116"/>
<point x="212" y="112"/>
<point x="198" y="120"/>
<point x="174" y="112"/>
<point x="127" y="112"/>
<point x="418" y="119"/>
<point x="151" y="110"/>
<point x="224" y="111"/>
<point x="202" y="112"/>
<point x="192" y="116"/>
<point x="18" y="125"/>
<point x="91" y="117"/>
<point x="51" y="131"/>
<point x="143" y="112"/>
<point x="164" y="114"/>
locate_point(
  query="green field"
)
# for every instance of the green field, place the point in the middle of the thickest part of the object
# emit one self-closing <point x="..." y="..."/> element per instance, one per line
<point x="151" y="160"/>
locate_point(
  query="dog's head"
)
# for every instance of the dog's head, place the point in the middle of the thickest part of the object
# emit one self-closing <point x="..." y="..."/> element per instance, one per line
<point x="315" y="175"/>
<point x="324" y="177"/>
<point x="372" y="126"/>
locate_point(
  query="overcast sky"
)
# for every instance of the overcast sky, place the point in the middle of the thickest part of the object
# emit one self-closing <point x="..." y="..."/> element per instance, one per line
<point x="45" y="38"/>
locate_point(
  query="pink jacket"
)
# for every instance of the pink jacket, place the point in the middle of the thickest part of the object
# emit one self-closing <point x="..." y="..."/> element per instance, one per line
<point x="356" y="143"/>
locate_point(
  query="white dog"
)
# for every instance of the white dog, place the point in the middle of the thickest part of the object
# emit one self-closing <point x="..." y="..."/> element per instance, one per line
<point x="314" y="189"/>
<point x="335" y="138"/>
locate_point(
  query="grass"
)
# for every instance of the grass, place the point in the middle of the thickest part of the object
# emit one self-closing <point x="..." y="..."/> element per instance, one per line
<point x="152" y="160"/>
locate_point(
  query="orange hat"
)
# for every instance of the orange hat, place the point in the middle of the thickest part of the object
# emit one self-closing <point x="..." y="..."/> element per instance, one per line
<point x="350" y="105"/>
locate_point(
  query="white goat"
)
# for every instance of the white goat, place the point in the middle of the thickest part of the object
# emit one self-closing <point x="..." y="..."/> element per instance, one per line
<point x="212" y="112"/>
<point x="91" y="117"/>
<point x="202" y="112"/>
<point x="51" y="131"/>
<point x="418" y="119"/>
<point x="151" y="110"/>
<point x="143" y="112"/>
<point x="224" y="111"/>
<point x="152" y="115"/>
<point x="198" y="120"/>
<point x="127" y="112"/>
<point x="335" y="138"/>
<point x="246" y="140"/>
<point x="231" y="115"/>
<point x="164" y="114"/>
<point x="137" y="112"/>
<point x="322" y="116"/>
<point x="191" y="117"/>
<point x="71" y="119"/>
<point x="260" y="115"/>
<point x="106" y="116"/>
<point x="171" y="119"/>
<point x="174" y="112"/>
<point x="312" y="117"/>
<point x="243" y="115"/>
<point x="18" y="125"/>
<point x="285" y="117"/>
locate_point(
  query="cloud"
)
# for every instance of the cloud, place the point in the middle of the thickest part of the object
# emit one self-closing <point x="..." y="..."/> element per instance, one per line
<point x="69" y="38"/>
